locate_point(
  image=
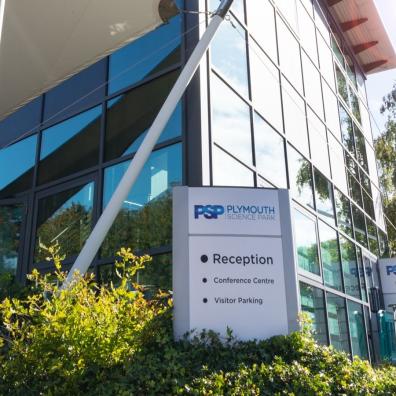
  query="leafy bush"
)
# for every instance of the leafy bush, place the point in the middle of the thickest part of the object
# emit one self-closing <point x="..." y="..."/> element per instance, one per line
<point x="110" y="340"/>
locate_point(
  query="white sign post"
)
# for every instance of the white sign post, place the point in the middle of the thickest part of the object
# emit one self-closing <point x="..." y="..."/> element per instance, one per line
<point x="233" y="262"/>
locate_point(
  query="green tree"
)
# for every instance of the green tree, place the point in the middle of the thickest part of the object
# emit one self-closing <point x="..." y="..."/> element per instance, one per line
<point x="385" y="148"/>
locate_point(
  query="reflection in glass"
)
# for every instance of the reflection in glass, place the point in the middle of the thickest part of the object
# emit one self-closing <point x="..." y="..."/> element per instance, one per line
<point x="337" y="163"/>
<point x="330" y="255"/>
<point x="300" y="177"/>
<point x="294" y="115"/>
<point x="11" y="218"/>
<point x="66" y="218"/>
<point x="265" y="78"/>
<point x="307" y="32"/>
<point x="326" y="61"/>
<point x="270" y="153"/>
<point x="312" y="302"/>
<point x="342" y="85"/>
<point x="331" y="110"/>
<point x="306" y="243"/>
<point x="70" y="146"/>
<point x="130" y="116"/>
<point x="16" y="164"/>
<point x="349" y="267"/>
<point x="372" y="236"/>
<point x="355" y="106"/>
<point x="357" y="330"/>
<point x="145" y="57"/>
<point x="383" y="244"/>
<point x="360" y="144"/>
<point x="337" y="322"/>
<point x="231" y="121"/>
<point x="228" y="55"/>
<point x="362" y="277"/>
<point x="343" y="211"/>
<point x="359" y="226"/>
<point x="324" y="197"/>
<point x="346" y="129"/>
<point x="145" y="218"/>
<point x="313" y="89"/>
<point x="227" y="171"/>
<point x="368" y="204"/>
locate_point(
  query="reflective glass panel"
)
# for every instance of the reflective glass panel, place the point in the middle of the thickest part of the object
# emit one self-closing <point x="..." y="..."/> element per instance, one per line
<point x="343" y="210"/>
<point x="289" y="11"/>
<point x="330" y="255"/>
<point x="357" y="330"/>
<point x="295" y="119"/>
<point x="337" y="322"/>
<point x="266" y="87"/>
<point x="372" y="236"/>
<point x="228" y="55"/>
<point x="261" y="20"/>
<point x="349" y="267"/>
<point x="227" y="171"/>
<point x="362" y="276"/>
<point x="145" y="219"/>
<point x="346" y="129"/>
<point x="321" y="22"/>
<point x="130" y="116"/>
<point x="312" y="302"/>
<point x="11" y="219"/>
<point x="324" y="197"/>
<point x="231" y="127"/>
<point x="237" y="8"/>
<point x="331" y="110"/>
<point x="270" y="153"/>
<point x="300" y="177"/>
<point x="359" y="226"/>
<point x="17" y="164"/>
<point x="337" y="163"/>
<point x="307" y="32"/>
<point x="383" y="244"/>
<point x="342" y="85"/>
<point x="306" y="243"/>
<point x="312" y="85"/>
<point x="70" y="146"/>
<point x="65" y="218"/>
<point x="355" y="105"/>
<point x="360" y="144"/>
<point x="326" y="61"/>
<point x="145" y="57"/>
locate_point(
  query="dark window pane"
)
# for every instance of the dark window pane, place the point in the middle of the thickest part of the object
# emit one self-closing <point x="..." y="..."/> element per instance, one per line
<point x="23" y="121"/>
<point x="349" y="268"/>
<point x="355" y="106"/>
<point x="346" y="129"/>
<point x="368" y="204"/>
<point x="312" y="302"/>
<point x="362" y="276"/>
<point x="360" y="144"/>
<point x="343" y="210"/>
<point x="330" y="254"/>
<point x="306" y="243"/>
<point x="16" y="164"/>
<point x="359" y="226"/>
<point x="145" y="220"/>
<point x="270" y="153"/>
<point x="383" y="244"/>
<point x="300" y="175"/>
<point x="70" y="146"/>
<point x="147" y="56"/>
<point x="372" y="236"/>
<point x="324" y="197"/>
<point x="130" y="116"/>
<point x="337" y="322"/>
<point x="66" y="218"/>
<point x="355" y="190"/>
<point x="357" y="330"/>
<point x="83" y="90"/>
<point x="342" y="85"/>
<point x="228" y="54"/>
<point x="11" y="218"/>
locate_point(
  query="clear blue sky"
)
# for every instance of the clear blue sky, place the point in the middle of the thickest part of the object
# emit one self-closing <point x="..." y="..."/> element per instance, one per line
<point x="380" y="84"/>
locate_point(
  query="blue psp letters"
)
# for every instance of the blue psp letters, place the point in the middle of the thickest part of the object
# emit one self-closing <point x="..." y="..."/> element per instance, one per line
<point x="208" y="211"/>
<point x="391" y="269"/>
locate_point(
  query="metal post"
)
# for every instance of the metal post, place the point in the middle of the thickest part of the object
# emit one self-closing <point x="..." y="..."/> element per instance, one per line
<point x="111" y="211"/>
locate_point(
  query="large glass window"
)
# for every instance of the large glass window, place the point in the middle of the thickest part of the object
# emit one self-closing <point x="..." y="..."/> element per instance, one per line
<point x="270" y="153"/>
<point x="324" y="197"/>
<point x="306" y="243"/>
<point x="261" y="20"/>
<point x="145" y="219"/>
<point x="300" y="177"/>
<point x="357" y="330"/>
<point x="129" y="117"/>
<point x="66" y="218"/>
<point x="331" y="110"/>
<point x="70" y="146"/>
<point x="312" y="302"/>
<point x="312" y="85"/>
<point x="146" y="56"/>
<point x="337" y="322"/>
<point x="342" y="85"/>
<point x="16" y="164"/>
<point x="307" y="32"/>
<point x="360" y="144"/>
<point x="266" y="87"/>
<point x="326" y="61"/>
<point x="330" y="255"/>
<point x="362" y="277"/>
<point x="295" y="120"/>
<point x="346" y="129"/>
<point x="359" y="226"/>
<point x="337" y="163"/>
<point x="227" y="171"/>
<point x="228" y="54"/>
<point x="343" y="210"/>
<point x="231" y="127"/>
<point x="349" y="267"/>
<point x="372" y="236"/>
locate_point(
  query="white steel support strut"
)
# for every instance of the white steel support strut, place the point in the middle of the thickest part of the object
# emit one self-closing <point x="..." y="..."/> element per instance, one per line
<point x="111" y="211"/>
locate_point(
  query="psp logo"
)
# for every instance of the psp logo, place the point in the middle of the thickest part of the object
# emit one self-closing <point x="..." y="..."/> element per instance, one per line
<point x="391" y="269"/>
<point x="208" y="211"/>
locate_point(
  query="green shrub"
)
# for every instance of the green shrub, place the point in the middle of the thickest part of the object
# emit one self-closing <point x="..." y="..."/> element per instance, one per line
<point x="110" y="340"/>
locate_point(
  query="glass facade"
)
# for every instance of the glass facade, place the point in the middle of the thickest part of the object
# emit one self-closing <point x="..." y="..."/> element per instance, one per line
<point x="279" y="104"/>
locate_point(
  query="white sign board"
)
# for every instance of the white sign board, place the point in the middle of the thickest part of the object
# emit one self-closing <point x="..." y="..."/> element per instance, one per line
<point x="387" y="270"/>
<point x="233" y="264"/>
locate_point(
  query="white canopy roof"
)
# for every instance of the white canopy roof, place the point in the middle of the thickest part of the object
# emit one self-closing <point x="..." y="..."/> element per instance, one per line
<point x="43" y="42"/>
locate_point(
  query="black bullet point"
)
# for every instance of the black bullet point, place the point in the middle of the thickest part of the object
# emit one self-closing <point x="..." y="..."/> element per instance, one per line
<point x="205" y="300"/>
<point x="204" y="280"/>
<point x="204" y="258"/>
